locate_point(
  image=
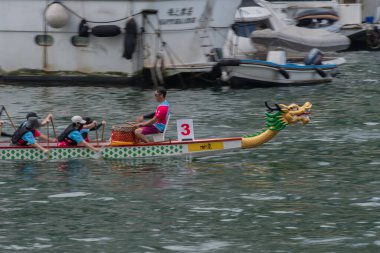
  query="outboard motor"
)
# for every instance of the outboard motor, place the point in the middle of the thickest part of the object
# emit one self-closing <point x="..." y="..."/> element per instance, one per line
<point x="314" y="57"/>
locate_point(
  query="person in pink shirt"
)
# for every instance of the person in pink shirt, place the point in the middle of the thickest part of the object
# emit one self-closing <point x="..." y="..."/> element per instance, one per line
<point x="153" y="123"/>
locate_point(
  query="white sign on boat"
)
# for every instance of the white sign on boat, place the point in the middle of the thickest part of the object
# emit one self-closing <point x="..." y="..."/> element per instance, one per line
<point x="185" y="129"/>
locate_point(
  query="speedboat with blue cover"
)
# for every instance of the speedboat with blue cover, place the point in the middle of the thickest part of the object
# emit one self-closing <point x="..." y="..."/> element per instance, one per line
<point x="276" y="70"/>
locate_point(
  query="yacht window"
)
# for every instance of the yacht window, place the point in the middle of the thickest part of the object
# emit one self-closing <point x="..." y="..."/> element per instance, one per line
<point x="315" y="23"/>
<point x="44" y="40"/>
<point x="79" y="41"/>
<point x="244" y="29"/>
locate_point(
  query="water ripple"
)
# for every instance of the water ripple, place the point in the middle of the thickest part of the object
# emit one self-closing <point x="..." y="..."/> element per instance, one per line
<point x="92" y="239"/>
<point x="69" y="195"/>
<point x="312" y="189"/>
<point x="204" y="247"/>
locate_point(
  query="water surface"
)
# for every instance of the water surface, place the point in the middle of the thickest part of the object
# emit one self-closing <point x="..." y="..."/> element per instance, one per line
<point x="312" y="189"/>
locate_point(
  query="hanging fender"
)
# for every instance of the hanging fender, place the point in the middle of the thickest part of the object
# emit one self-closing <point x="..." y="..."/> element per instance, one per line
<point x="130" y="38"/>
<point x="159" y="67"/>
<point x="106" y="30"/>
<point x="284" y="73"/>
<point x="218" y="67"/>
<point x="320" y="72"/>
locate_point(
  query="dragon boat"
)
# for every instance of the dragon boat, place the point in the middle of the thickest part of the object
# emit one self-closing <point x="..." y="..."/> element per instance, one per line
<point x="277" y="118"/>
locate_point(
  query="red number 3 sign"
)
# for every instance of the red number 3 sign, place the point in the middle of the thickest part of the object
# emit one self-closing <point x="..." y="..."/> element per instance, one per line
<point x="185" y="129"/>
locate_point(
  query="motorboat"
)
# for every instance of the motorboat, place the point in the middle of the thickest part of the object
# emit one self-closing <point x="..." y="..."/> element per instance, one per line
<point x="277" y="70"/>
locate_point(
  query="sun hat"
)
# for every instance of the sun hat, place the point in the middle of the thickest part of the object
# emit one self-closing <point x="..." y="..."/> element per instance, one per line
<point x="78" y="119"/>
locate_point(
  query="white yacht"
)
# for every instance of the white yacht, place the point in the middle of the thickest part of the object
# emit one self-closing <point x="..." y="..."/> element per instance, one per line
<point x="117" y="38"/>
<point x="359" y="20"/>
<point x="258" y="28"/>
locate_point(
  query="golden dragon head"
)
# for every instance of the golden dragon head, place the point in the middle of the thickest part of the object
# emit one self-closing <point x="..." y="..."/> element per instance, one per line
<point x="277" y="118"/>
<point x="294" y="113"/>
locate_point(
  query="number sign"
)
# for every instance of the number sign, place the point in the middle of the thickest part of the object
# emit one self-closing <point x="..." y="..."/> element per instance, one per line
<point x="185" y="130"/>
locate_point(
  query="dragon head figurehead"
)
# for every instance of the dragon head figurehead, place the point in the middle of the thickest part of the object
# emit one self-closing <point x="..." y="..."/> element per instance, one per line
<point x="277" y="118"/>
<point x="282" y="115"/>
<point x="294" y="113"/>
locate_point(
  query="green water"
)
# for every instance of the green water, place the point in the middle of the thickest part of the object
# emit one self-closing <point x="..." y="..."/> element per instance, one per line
<point x="312" y="189"/>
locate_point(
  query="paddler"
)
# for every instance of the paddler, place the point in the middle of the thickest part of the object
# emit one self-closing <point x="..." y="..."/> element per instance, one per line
<point x="46" y="120"/>
<point x="72" y="136"/>
<point x="27" y="133"/>
<point x="91" y="125"/>
<point x="32" y="116"/>
<point x="154" y="123"/>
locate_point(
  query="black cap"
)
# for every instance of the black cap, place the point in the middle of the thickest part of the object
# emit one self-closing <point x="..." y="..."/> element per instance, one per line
<point x="31" y="114"/>
<point x="33" y="123"/>
<point x="88" y="120"/>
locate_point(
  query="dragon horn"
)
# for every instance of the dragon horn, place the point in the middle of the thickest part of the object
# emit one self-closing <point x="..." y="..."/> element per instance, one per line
<point x="269" y="108"/>
<point x="278" y="107"/>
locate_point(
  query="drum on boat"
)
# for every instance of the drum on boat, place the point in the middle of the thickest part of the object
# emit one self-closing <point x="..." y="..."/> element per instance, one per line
<point x="124" y="133"/>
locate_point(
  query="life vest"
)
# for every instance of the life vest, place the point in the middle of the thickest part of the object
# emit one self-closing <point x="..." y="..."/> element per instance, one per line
<point x="19" y="133"/>
<point x="85" y="135"/>
<point x="64" y="136"/>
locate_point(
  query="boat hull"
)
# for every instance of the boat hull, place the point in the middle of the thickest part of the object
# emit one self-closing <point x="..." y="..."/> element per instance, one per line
<point x="262" y="73"/>
<point x="188" y="149"/>
<point x="32" y="48"/>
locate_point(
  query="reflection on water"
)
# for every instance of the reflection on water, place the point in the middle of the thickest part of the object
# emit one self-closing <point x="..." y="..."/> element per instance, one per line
<point x="312" y="189"/>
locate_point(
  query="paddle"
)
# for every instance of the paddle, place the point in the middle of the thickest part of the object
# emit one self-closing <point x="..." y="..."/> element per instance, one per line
<point x="96" y="134"/>
<point x="48" y="135"/>
<point x="41" y="147"/>
<point x="1" y="123"/>
<point x="103" y="126"/>
<point x="9" y="117"/>
<point x="52" y="124"/>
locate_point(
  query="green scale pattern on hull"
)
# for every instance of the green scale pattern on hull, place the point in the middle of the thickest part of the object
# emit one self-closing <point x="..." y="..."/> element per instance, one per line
<point x="107" y="153"/>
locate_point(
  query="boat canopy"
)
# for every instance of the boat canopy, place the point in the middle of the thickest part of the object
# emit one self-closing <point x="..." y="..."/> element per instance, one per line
<point x="249" y="14"/>
<point x="300" y="39"/>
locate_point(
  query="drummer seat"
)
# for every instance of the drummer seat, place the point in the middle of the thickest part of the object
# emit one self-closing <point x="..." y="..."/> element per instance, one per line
<point x="161" y="136"/>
